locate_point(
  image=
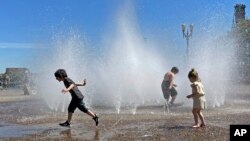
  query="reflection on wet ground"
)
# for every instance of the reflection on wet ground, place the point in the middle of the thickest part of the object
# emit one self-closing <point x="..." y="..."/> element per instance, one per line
<point x="29" y="118"/>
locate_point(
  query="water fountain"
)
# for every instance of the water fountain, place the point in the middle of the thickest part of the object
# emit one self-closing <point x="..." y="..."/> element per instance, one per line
<point x="127" y="71"/>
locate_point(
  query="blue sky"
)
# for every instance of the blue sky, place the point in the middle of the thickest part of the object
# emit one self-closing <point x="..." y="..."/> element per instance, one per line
<point x="31" y="22"/>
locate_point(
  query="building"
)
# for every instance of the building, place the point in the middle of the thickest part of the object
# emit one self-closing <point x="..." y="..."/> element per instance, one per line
<point x="16" y="75"/>
<point x="10" y="71"/>
<point x="241" y="35"/>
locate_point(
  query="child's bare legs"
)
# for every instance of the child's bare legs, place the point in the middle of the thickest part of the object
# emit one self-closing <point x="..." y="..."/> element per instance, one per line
<point x="173" y="99"/>
<point x="69" y="116"/>
<point x="195" y="113"/>
<point x="173" y="94"/>
<point x="91" y="113"/>
<point x="67" y="123"/>
<point x="201" y="118"/>
<point x="94" y="116"/>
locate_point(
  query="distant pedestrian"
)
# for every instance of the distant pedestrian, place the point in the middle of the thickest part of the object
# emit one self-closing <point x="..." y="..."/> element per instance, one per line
<point x="26" y="83"/>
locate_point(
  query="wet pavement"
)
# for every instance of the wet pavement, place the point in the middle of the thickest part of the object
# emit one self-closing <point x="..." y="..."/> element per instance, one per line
<point x="27" y="118"/>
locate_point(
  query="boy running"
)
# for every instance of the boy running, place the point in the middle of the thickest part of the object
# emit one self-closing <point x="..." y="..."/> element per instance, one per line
<point x="77" y="97"/>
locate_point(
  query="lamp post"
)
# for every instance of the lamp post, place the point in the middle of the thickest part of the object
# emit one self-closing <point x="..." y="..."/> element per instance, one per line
<point x="187" y="35"/>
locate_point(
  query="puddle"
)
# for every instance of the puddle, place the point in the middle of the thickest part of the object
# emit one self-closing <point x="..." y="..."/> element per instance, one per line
<point x="15" y="130"/>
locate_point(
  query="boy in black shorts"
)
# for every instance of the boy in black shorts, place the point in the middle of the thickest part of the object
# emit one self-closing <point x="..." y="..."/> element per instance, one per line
<point x="77" y="97"/>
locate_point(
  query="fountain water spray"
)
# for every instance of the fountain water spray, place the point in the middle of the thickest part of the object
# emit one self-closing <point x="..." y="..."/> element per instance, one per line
<point x="129" y="70"/>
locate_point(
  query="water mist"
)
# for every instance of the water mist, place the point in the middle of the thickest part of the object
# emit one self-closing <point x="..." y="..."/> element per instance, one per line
<point x="127" y="70"/>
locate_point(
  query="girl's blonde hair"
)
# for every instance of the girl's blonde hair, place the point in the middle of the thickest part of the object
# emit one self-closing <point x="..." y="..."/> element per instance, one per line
<point x="193" y="74"/>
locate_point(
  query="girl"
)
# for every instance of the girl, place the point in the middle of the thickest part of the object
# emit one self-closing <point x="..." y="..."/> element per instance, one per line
<point x="199" y="101"/>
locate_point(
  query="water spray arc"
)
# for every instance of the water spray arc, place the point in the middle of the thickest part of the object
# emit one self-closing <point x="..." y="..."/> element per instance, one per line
<point x="127" y="71"/>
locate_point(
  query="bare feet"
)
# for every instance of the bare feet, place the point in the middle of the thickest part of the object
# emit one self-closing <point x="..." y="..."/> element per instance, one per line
<point x="203" y="125"/>
<point x="196" y="126"/>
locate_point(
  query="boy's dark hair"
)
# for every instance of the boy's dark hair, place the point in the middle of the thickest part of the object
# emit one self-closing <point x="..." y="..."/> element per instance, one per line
<point x="61" y="73"/>
<point x="175" y="69"/>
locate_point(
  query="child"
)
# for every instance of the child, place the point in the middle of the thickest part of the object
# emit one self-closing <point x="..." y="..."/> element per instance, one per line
<point x="168" y="85"/>
<point x="199" y="101"/>
<point x="77" y="97"/>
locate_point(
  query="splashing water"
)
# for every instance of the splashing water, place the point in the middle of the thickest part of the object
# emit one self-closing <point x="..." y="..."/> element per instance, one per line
<point x="129" y="70"/>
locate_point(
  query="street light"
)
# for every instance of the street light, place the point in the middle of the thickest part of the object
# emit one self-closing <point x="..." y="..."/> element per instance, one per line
<point x="187" y="35"/>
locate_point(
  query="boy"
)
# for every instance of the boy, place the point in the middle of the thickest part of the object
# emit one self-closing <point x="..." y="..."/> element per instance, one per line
<point x="77" y="97"/>
<point x="168" y="85"/>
